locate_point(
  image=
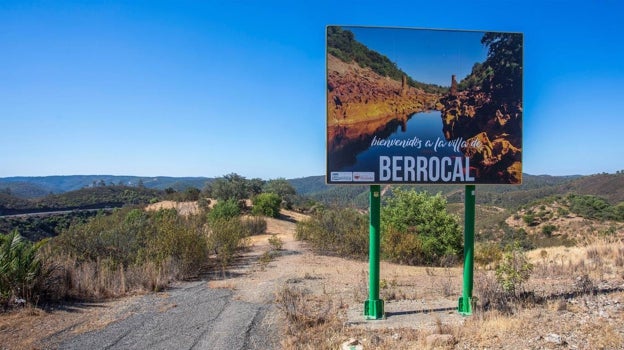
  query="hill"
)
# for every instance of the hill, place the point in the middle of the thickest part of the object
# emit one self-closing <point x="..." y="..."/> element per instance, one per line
<point x="85" y="198"/>
<point x="341" y="43"/>
<point x="49" y="215"/>
<point x="34" y="187"/>
<point x="607" y="186"/>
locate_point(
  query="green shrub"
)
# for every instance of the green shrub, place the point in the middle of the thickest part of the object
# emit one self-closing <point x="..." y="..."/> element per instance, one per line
<point x="267" y="204"/>
<point x="563" y="211"/>
<point x="224" y="210"/>
<point x="117" y="237"/>
<point x="283" y="189"/>
<point x="529" y="219"/>
<point x="593" y="207"/>
<point x="549" y="229"/>
<point x="426" y="217"/>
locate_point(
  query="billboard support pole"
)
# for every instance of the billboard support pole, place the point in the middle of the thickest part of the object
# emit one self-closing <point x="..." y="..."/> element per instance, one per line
<point x="465" y="301"/>
<point x="374" y="307"/>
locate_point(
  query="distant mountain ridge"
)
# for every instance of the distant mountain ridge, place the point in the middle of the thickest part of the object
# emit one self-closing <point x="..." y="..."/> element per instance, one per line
<point x="39" y="186"/>
<point x="608" y="186"/>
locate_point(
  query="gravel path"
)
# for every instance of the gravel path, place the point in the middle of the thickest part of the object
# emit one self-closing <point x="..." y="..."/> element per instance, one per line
<point x="189" y="316"/>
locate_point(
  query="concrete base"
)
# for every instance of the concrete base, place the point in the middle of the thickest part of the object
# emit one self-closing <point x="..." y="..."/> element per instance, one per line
<point x="374" y="309"/>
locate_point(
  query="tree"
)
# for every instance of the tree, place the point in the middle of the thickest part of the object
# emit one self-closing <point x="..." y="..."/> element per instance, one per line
<point x="191" y="194"/>
<point x="505" y="60"/>
<point x="254" y="186"/>
<point x="282" y="188"/>
<point x="231" y="186"/>
<point x="435" y="232"/>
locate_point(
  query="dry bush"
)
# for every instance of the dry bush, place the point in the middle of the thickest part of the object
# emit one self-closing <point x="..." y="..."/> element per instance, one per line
<point x="254" y="225"/>
<point x="311" y="322"/>
<point x="342" y="232"/>
<point x="95" y="280"/>
<point x="487" y="254"/>
<point x="447" y="283"/>
<point x="225" y="238"/>
<point x="129" y="250"/>
<point x="489" y="295"/>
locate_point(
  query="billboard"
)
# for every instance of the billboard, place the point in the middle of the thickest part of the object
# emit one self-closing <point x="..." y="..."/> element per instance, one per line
<point x="422" y="106"/>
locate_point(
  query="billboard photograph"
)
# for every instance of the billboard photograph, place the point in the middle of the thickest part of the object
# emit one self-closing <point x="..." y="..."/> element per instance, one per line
<point x="408" y="106"/>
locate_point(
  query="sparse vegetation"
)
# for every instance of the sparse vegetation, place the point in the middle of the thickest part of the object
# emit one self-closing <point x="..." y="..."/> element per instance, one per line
<point x="129" y="250"/>
<point x="341" y="232"/>
<point x="276" y="242"/>
<point x="513" y="270"/>
<point x="110" y="255"/>
<point x="310" y="320"/>
<point x="593" y="207"/>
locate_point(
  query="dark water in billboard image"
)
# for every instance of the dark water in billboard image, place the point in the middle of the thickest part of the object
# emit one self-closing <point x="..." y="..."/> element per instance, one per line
<point x="421" y="135"/>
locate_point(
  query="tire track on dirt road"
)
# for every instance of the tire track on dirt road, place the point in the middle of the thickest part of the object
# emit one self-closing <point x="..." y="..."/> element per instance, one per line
<point x="191" y="316"/>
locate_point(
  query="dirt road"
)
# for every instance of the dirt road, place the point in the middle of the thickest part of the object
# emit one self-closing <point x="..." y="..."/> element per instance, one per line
<point x="187" y="316"/>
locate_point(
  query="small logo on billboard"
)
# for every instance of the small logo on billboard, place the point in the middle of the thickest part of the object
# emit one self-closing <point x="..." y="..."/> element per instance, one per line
<point x="364" y="176"/>
<point x="344" y="176"/>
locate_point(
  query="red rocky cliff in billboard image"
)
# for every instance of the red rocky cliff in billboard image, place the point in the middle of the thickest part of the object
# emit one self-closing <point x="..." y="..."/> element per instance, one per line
<point x="423" y="106"/>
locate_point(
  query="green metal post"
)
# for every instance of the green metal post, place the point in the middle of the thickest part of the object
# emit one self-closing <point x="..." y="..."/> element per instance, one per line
<point x="374" y="307"/>
<point x="465" y="301"/>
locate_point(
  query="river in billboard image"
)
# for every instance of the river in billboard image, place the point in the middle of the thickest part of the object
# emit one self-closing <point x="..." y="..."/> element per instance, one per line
<point x="417" y="137"/>
<point x="421" y="136"/>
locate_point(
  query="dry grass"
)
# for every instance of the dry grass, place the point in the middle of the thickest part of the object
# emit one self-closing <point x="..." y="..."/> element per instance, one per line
<point x="569" y="307"/>
<point x="600" y="259"/>
<point x="311" y="322"/>
<point x="98" y="280"/>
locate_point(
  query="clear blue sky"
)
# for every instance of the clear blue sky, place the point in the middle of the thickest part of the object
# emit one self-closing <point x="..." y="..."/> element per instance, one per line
<point x="205" y="88"/>
<point x="429" y="56"/>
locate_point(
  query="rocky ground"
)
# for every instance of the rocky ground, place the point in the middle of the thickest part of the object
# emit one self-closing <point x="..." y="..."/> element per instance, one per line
<point x="362" y="103"/>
